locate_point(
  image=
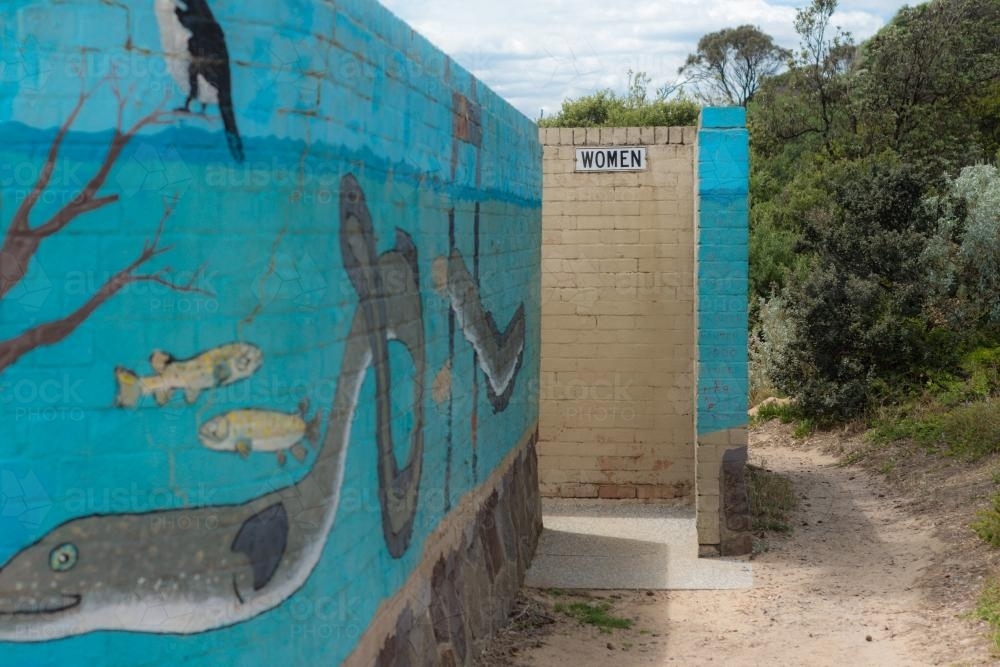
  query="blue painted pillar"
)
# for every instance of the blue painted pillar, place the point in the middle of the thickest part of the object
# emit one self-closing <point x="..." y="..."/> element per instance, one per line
<point x="723" y="170"/>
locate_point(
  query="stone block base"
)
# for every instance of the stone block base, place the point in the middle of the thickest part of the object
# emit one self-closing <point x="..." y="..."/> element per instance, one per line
<point x="724" y="520"/>
<point x="472" y="571"/>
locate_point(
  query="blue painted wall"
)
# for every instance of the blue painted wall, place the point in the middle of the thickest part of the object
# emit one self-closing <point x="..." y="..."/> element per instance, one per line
<point x="249" y="253"/>
<point x="723" y="261"/>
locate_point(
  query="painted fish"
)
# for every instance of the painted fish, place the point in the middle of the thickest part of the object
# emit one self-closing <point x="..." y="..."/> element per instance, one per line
<point x="216" y="368"/>
<point x="243" y="431"/>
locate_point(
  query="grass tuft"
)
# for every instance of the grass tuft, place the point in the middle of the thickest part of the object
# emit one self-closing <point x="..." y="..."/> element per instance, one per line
<point x="957" y="414"/>
<point x="786" y="413"/>
<point x="988" y="609"/>
<point x="970" y="432"/>
<point x="597" y="615"/>
<point x="804" y="428"/>
<point x="772" y="500"/>
<point x="987" y="523"/>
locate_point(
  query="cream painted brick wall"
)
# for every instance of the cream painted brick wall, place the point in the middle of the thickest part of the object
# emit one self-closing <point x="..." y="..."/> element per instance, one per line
<point x="618" y="327"/>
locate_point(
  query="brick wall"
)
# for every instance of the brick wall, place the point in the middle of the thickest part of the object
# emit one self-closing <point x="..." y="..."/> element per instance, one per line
<point x="617" y="392"/>
<point x="266" y="380"/>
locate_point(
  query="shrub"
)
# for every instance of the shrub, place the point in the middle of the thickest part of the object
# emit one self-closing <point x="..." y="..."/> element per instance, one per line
<point x="769" y="339"/>
<point x="962" y="256"/>
<point x="856" y="315"/>
<point x="635" y="108"/>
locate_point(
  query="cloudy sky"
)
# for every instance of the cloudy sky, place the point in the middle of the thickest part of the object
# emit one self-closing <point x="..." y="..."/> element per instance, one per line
<point x="536" y="53"/>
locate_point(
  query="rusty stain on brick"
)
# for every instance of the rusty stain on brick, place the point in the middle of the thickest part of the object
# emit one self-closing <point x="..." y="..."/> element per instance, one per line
<point x="441" y="388"/>
<point x="656" y="492"/>
<point x="616" y="492"/>
<point x="613" y="463"/>
<point x="439" y="274"/>
<point x="467" y="123"/>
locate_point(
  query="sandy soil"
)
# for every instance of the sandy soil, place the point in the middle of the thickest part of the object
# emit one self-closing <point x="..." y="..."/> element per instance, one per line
<point x="880" y="570"/>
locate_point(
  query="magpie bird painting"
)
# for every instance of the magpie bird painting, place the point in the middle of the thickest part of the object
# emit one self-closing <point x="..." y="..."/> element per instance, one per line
<point x="195" y="49"/>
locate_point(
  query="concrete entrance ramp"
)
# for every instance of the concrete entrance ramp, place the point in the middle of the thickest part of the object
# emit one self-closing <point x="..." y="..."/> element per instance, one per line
<point x="615" y="544"/>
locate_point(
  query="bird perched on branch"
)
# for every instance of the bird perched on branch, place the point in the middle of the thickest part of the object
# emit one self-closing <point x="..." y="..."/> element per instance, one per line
<point x="195" y="49"/>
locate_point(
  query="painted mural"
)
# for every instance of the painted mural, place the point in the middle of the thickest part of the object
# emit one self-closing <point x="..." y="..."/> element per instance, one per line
<point x="248" y="273"/>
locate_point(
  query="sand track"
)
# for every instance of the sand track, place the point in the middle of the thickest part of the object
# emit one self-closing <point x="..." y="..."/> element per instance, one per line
<point x="864" y="579"/>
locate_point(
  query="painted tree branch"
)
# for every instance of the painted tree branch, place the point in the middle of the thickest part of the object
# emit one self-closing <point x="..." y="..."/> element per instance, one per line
<point x="51" y="333"/>
<point x="22" y="241"/>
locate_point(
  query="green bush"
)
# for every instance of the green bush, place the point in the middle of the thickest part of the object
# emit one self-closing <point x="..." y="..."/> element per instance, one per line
<point x="856" y="314"/>
<point x="772" y="256"/>
<point x="887" y="269"/>
<point x="635" y="108"/>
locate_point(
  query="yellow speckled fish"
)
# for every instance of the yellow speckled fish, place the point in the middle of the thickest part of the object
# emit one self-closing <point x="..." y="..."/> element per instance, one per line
<point x="244" y="431"/>
<point x="216" y="368"/>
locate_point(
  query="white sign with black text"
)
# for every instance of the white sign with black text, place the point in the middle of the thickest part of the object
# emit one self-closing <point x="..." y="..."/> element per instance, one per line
<point x="611" y="158"/>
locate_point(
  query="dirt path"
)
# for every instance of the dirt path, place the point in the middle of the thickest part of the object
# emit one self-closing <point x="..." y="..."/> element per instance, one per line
<point x="857" y="583"/>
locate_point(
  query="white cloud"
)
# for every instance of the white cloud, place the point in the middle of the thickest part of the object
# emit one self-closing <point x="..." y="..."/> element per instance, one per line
<point x="536" y="53"/>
